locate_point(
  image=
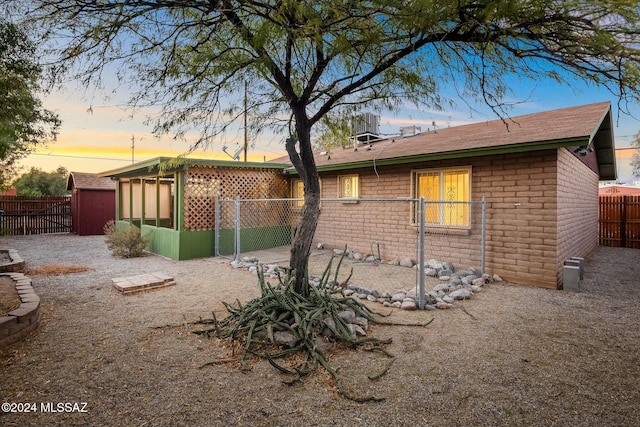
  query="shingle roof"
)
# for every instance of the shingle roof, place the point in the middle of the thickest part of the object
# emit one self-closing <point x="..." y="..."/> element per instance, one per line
<point x="89" y="181"/>
<point x="569" y="127"/>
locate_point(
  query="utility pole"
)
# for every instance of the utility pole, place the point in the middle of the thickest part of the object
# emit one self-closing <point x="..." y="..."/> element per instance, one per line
<point x="245" y="122"/>
<point x="133" y="146"/>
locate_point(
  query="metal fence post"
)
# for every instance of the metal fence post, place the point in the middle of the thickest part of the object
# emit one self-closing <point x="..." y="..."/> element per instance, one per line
<point x="237" y="239"/>
<point x="216" y="227"/>
<point x="484" y="234"/>
<point x="421" y="299"/>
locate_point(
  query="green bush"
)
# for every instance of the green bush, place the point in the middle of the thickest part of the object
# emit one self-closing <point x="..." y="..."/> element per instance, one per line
<point x="125" y="242"/>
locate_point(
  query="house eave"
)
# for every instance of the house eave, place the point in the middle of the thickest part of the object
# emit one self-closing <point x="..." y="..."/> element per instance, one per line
<point x="457" y="154"/>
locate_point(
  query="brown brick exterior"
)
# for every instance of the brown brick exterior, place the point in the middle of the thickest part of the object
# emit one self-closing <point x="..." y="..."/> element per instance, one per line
<point x="577" y="209"/>
<point x="542" y="208"/>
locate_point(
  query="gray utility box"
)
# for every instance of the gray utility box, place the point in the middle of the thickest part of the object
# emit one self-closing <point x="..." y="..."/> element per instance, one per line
<point x="573" y="273"/>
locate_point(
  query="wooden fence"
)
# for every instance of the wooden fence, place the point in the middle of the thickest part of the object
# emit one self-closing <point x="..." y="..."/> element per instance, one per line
<point x="620" y="221"/>
<point x="35" y="215"/>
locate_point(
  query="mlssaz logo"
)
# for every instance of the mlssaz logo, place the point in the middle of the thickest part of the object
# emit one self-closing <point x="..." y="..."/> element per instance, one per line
<point x="63" y="407"/>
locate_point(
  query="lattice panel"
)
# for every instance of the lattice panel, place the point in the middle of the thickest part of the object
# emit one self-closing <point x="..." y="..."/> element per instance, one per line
<point x="203" y="184"/>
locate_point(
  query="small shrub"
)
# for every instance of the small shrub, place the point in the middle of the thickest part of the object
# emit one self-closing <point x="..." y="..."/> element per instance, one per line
<point x="125" y="242"/>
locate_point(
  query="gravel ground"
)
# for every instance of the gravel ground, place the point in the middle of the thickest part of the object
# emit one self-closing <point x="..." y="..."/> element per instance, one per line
<point x="515" y="355"/>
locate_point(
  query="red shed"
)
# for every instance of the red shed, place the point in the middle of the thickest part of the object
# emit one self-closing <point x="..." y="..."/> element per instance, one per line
<point x="93" y="202"/>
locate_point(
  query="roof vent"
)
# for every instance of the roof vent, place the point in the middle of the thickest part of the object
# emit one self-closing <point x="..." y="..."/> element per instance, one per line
<point x="406" y="131"/>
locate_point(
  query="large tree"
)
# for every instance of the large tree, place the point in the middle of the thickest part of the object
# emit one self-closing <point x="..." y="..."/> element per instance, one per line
<point x="23" y="122"/>
<point x="37" y="182"/>
<point x="309" y="59"/>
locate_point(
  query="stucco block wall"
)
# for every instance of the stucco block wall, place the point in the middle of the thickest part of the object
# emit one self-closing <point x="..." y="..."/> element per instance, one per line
<point x="577" y="209"/>
<point x="522" y="222"/>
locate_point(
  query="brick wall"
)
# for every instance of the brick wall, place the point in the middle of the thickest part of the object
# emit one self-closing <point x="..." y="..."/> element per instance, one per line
<point x="521" y="220"/>
<point x="577" y="209"/>
<point x="522" y="237"/>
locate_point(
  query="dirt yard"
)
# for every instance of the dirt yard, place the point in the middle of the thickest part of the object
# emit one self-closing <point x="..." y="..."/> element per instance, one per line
<point x="515" y="355"/>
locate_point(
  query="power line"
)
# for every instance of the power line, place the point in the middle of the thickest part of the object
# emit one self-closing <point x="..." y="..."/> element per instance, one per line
<point x="77" y="157"/>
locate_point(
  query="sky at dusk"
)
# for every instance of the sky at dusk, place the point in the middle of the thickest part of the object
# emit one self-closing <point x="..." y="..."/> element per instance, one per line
<point x="98" y="137"/>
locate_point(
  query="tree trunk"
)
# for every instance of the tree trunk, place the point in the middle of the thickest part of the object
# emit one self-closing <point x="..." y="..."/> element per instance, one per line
<point x="305" y="165"/>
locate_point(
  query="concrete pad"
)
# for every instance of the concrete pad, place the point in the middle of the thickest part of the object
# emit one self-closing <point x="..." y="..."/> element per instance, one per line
<point x="142" y="282"/>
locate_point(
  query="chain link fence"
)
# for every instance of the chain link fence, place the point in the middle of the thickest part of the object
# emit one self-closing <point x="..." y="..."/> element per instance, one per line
<point x="388" y="247"/>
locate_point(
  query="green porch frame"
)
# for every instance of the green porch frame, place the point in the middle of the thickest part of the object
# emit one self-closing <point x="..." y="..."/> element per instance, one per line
<point x="144" y="190"/>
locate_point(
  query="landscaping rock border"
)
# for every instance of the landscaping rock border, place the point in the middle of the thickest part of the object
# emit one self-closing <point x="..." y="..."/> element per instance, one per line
<point x="456" y="284"/>
<point x="15" y="265"/>
<point x="24" y="319"/>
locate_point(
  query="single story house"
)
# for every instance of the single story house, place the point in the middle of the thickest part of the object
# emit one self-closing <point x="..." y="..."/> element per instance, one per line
<point x="93" y="202"/>
<point x="539" y="173"/>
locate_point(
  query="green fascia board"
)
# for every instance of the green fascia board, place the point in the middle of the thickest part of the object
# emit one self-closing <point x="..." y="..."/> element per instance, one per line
<point x="135" y="170"/>
<point x="475" y="152"/>
<point x="151" y="167"/>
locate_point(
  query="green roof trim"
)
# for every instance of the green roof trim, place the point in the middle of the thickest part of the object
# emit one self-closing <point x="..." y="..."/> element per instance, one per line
<point x="153" y="166"/>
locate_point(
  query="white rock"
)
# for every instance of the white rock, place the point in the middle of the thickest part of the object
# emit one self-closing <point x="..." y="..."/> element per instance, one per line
<point x="461" y="293"/>
<point x="371" y="298"/>
<point x="285" y="338"/>
<point x="398" y="297"/>
<point x="352" y="329"/>
<point x="322" y="346"/>
<point x="478" y="282"/>
<point x="358" y="330"/>
<point x="408" y="305"/>
<point x="349" y="316"/>
<point x="435" y="264"/>
<point x="448" y="299"/>
<point x="443" y="305"/>
<point x="396" y="304"/>
<point x="406" y="262"/>
<point x="488" y="278"/>
<point x="442" y="287"/>
<point x="497" y="278"/>
<point x="431" y="272"/>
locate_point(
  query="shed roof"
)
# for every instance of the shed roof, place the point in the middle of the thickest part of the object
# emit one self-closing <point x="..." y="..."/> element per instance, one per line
<point x="582" y="126"/>
<point x="89" y="181"/>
